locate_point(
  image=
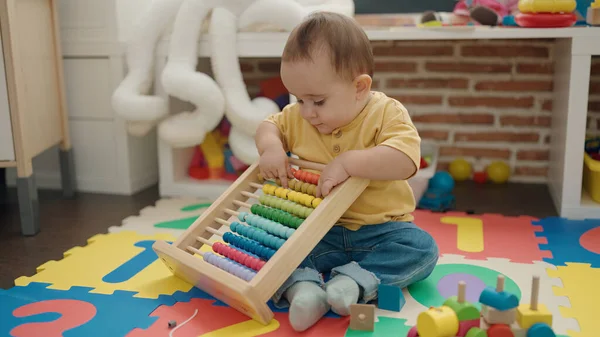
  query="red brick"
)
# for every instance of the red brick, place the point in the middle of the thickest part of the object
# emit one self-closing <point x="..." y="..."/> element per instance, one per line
<point x="540" y="155"/>
<point x="594" y="106"/>
<point x="490" y="101"/>
<point x="395" y="66"/>
<point x="434" y="134"/>
<point x="530" y="171"/>
<point x="419" y="99"/>
<point x="432" y="83"/>
<point x="468" y="67"/>
<point x="497" y="136"/>
<point x="547" y="139"/>
<point x="547" y="105"/>
<point x="526" y="120"/>
<point x="252" y="82"/>
<point x="482" y="50"/>
<point x="514" y="85"/>
<point x="595" y="87"/>
<point x="376" y="84"/>
<point x="535" y="68"/>
<point x="405" y="50"/>
<point x="449" y="118"/>
<point x="269" y="66"/>
<point x="474" y="152"/>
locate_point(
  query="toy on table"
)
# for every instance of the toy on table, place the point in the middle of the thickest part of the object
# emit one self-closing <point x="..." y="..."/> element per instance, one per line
<point x="546" y="14"/>
<point x="460" y="169"/>
<point x="438" y="196"/>
<point x="470" y="12"/>
<point x="479" y="172"/>
<point x="498" y="172"/>
<point x="213" y="159"/>
<point x="593" y="14"/>
<point x="500" y="316"/>
<point x="264" y="241"/>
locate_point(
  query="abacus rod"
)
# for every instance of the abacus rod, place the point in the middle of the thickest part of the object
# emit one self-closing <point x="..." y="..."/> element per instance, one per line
<point x="307" y="164"/>
<point x="194" y="250"/>
<point x="242" y="204"/>
<point x="250" y="195"/>
<point x="223" y="222"/>
<point x="214" y="231"/>
<point x="231" y="212"/>
<point x="204" y="241"/>
<point x="256" y="185"/>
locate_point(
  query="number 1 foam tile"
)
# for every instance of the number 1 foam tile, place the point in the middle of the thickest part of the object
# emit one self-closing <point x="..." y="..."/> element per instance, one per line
<point x="111" y="262"/>
<point x="581" y="287"/>
<point x="35" y="310"/>
<point x="571" y="240"/>
<point x="443" y="283"/>
<point x="484" y="236"/>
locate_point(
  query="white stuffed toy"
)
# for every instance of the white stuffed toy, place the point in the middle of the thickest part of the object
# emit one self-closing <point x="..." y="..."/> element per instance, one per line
<point x="226" y="94"/>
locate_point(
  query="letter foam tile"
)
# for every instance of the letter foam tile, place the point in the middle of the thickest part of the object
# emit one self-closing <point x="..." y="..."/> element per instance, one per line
<point x="110" y="262"/>
<point x="571" y="240"/>
<point x="484" y="236"/>
<point x="443" y="283"/>
<point x="35" y="310"/>
<point x="581" y="287"/>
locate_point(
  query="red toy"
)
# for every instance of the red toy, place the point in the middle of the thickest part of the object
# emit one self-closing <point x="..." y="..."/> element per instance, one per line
<point x="545" y="20"/>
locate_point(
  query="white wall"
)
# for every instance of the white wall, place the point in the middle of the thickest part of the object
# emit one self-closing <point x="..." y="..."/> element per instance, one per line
<point x="128" y="12"/>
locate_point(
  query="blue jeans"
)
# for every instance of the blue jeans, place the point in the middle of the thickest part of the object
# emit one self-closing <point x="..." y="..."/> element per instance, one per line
<point x="392" y="253"/>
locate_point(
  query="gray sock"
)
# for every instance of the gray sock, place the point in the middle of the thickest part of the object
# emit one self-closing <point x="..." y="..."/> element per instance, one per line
<point x="342" y="292"/>
<point x="308" y="303"/>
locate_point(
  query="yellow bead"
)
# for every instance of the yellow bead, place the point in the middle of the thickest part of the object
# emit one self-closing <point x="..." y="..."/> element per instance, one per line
<point x="260" y="178"/>
<point x="437" y="322"/>
<point x="272" y="189"/>
<point x="292" y="184"/>
<point x="304" y="188"/>
<point x="316" y="202"/>
<point x="312" y="189"/>
<point x="309" y="200"/>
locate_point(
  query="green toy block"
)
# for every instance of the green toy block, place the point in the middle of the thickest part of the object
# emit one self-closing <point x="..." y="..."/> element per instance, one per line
<point x="465" y="310"/>
<point x="476" y="332"/>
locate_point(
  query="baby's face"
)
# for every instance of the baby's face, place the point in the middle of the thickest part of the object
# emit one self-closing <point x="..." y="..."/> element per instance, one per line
<point x="326" y="101"/>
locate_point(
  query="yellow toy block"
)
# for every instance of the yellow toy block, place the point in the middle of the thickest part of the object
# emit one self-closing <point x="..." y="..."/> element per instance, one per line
<point x="526" y="317"/>
<point x="213" y="152"/>
<point x="438" y="322"/>
<point x="547" y="6"/>
<point x="494" y="316"/>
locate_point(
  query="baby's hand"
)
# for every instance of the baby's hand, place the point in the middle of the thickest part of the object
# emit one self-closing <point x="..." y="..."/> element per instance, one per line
<point x="333" y="175"/>
<point x="274" y="164"/>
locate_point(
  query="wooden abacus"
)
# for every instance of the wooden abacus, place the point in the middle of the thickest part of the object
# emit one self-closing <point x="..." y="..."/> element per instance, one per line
<point x="266" y="241"/>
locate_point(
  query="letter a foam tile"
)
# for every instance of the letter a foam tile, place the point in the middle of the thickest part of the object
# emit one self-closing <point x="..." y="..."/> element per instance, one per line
<point x="571" y="240"/>
<point x="580" y="285"/>
<point x="36" y="310"/>
<point x="110" y="262"/>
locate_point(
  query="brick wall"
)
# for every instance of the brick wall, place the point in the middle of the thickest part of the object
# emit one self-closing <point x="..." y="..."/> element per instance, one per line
<point x="486" y="99"/>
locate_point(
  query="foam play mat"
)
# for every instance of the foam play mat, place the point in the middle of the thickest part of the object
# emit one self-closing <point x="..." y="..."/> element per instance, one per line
<point x="116" y="286"/>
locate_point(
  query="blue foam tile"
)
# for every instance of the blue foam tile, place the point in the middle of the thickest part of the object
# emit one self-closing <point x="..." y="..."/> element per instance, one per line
<point x="563" y="236"/>
<point x="74" y="312"/>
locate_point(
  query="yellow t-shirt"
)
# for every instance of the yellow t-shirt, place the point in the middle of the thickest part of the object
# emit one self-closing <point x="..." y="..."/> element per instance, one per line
<point x="383" y="121"/>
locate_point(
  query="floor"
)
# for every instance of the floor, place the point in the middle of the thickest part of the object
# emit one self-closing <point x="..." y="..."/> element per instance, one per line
<point x="67" y="223"/>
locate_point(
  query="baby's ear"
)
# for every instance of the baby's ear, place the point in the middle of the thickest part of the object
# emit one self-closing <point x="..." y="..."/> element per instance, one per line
<point x="363" y="85"/>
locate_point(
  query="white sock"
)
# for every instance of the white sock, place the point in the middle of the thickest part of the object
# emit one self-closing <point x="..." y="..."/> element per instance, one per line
<point x="308" y="303"/>
<point x="342" y="292"/>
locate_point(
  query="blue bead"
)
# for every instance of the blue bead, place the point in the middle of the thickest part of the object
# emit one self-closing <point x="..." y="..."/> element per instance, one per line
<point x="242" y="216"/>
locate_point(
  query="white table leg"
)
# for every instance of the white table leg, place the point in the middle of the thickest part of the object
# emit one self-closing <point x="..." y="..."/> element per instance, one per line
<point x="570" y="101"/>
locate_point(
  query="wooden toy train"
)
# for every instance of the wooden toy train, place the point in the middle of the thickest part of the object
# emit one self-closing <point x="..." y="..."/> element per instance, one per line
<point x="500" y="316"/>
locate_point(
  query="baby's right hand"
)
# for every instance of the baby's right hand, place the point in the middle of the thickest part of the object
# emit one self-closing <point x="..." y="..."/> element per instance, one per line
<point x="274" y="164"/>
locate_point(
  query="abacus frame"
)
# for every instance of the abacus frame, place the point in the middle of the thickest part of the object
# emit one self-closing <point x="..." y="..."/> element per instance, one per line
<point x="250" y="298"/>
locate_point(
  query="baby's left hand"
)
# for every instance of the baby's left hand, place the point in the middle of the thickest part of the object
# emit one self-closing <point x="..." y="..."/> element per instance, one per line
<point x="333" y="175"/>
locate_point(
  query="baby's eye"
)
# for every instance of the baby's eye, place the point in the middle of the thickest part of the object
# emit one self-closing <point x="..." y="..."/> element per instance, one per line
<point x="319" y="103"/>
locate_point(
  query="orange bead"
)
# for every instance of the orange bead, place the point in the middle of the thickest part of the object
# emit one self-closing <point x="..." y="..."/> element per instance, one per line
<point x="500" y="330"/>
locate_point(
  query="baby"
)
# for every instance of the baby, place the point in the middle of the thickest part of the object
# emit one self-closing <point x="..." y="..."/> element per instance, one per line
<point x="337" y="120"/>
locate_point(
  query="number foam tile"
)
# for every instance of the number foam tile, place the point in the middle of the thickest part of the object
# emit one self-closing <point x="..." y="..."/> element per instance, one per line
<point x="484" y="236"/>
<point x="110" y="262"/>
<point x="451" y="268"/>
<point x="37" y="310"/>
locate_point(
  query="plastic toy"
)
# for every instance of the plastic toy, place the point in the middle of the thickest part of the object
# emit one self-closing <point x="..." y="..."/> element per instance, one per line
<point x="546" y="13"/>
<point x="500" y="316"/>
<point x="498" y="172"/>
<point x="593" y="14"/>
<point x="460" y="169"/>
<point x="265" y="241"/>
<point x="390" y="298"/>
<point x="438" y="196"/>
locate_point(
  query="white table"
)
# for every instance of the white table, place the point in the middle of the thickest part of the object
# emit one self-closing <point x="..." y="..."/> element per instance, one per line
<point x="575" y="47"/>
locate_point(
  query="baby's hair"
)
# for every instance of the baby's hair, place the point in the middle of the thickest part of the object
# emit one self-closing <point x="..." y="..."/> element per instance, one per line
<point x="340" y="36"/>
